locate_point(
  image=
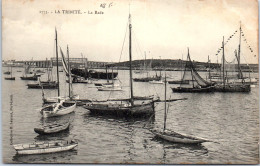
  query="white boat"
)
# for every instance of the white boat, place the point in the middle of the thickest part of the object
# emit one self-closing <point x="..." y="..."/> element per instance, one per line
<point x="156" y="82"/>
<point x="58" y="109"/>
<point x="45" y="147"/>
<point x="175" y="137"/>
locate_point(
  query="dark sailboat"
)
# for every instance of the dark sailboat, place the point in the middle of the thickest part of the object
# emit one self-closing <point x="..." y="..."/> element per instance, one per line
<point x="33" y="77"/>
<point x="196" y="83"/>
<point x="124" y="107"/>
<point x="226" y="86"/>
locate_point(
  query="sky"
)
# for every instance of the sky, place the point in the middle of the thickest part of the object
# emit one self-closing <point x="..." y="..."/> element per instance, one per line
<point x="160" y="29"/>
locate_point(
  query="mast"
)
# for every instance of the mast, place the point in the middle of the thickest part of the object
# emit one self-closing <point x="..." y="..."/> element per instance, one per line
<point x="191" y="71"/>
<point x="209" y="68"/>
<point x="239" y="51"/>
<point x="69" y="70"/>
<point x="57" y="63"/>
<point x="130" y="59"/>
<point x="223" y="59"/>
<point x="165" y="111"/>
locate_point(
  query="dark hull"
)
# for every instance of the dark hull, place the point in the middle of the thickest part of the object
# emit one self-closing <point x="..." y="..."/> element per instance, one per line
<point x="9" y="78"/>
<point x="137" y="111"/>
<point x="44" y="86"/>
<point x="58" y="130"/>
<point x="147" y="79"/>
<point x="232" y="88"/>
<point x="33" y="78"/>
<point x="193" y="90"/>
<point x="94" y="74"/>
<point x="179" y="82"/>
<point x="101" y="84"/>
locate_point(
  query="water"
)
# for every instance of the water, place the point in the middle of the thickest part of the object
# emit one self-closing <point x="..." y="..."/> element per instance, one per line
<point x="230" y="120"/>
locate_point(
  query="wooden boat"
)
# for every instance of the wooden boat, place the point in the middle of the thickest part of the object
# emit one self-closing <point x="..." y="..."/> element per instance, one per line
<point x="172" y="136"/>
<point x="53" y="128"/>
<point x="196" y="83"/>
<point x="7" y="72"/>
<point x="156" y="82"/>
<point x="175" y="137"/>
<point x="62" y="107"/>
<point x="193" y="90"/>
<point x="226" y="86"/>
<point x="32" y="78"/>
<point x="102" y="84"/>
<point x="147" y="79"/>
<point x="81" y="80"/>
<point x="43" y="85"/>
<point x="115" y="88"/>
<point x="58" y="109"/>
<point x="126" y="108"/>
<point x="11" y="77"/>
<point x="45" y="147"/>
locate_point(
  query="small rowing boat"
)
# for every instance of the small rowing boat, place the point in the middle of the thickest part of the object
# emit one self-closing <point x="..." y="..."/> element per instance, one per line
<point x="45" y="147"/>
<point x="53" y="128"/>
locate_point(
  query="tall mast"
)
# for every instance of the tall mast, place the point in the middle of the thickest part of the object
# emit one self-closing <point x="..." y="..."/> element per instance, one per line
<point x="57" y="63"/>
<point x="209" y="68"/>
<point x="165" y="111"/>
<point x="130" y="59"/>
<point x="223" y="59"/>
<point x="239" y="50"/>
<point x="69" y="70"/>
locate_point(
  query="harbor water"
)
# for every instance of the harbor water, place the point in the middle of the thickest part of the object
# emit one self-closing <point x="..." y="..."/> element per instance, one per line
<point x="229" y="120"/>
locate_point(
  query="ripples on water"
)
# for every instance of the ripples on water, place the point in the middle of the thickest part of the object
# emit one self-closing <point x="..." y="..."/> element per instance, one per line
<point x="229" y="119"/>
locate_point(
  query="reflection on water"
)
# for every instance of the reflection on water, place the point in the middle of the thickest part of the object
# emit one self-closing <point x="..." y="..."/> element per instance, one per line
<point x="230" y="119"/>
<point x="11" y="119"/>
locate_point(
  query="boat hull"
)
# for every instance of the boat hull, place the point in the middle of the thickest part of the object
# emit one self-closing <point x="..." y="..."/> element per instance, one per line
<point x="147" y="79"/>
<point x="43" y="86"/>
<point x="178" y="138"/>
<point x="33" y="78"/>
<point x="193" y="90"/>
<point x="141" y="110"/>
<point x="46" y="131"/>
<point x="46" y="150"/>
<point x="60" y="112"/>
<point x="232" y="88"/>
<point x="9" y="78"/>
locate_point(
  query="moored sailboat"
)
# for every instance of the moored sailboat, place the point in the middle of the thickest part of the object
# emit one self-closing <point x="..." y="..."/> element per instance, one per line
<point x="127" y="108"/>
<point x="172" y="136"/>
<point x="196" y="83"/>
<point x="62" y="107"/>
<point x="11" y="75"/>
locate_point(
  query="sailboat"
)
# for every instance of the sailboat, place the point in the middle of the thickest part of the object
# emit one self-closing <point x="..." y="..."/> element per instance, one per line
<point x="173" y="136"/>
<point x="196" y="83"/>
<point x="34" y="77"/>
<point x="49" y="84"/>
<point x="124" y="107"/>
<point x="147" y="78"/>
<point x="226" y="86"/>
<point x="62" y="107"/>
<point x="11" y="76"/>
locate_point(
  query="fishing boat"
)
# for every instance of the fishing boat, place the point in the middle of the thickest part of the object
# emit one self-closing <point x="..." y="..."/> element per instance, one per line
<point x="45" y="147"/>
<point x="7" y="72"/>
<point x="113" y="87"/>
<point x="62" y="107"/>
<point x="103" y="84"/>
<point x="11" y="76"/>
<point x="196" y="83"/>
<point x="53" y="128"/>
<point x="172" y="136"/>
<point x="226" y="86"/>
<point x="48" y="84"/>
<point x="126" y="108"/>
